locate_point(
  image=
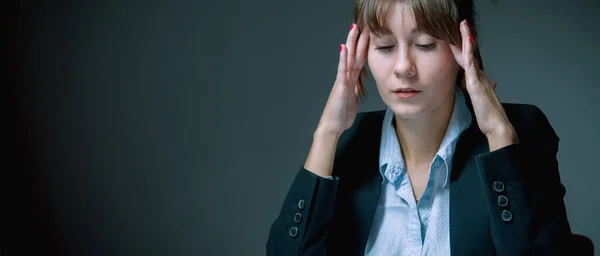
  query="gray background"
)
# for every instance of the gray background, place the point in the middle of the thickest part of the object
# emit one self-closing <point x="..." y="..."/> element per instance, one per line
<point x="176" y="127"/>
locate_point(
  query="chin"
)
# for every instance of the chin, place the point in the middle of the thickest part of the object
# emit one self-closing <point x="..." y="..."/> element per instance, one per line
<point x="407" y="111"/>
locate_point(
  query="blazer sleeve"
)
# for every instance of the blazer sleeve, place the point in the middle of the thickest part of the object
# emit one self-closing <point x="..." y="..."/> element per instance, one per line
<point x="525" y="195"/>
<point x="303" y="223"/>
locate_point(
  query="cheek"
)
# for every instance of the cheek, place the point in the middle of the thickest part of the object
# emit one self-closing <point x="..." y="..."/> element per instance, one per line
<point x="432" y="70"/>
<point x="441" y="66"/>
<point x="377" y="65"/>
<point x="439" y="74"/>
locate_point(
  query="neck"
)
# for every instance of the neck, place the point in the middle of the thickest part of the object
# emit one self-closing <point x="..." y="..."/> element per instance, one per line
<point x="420" y="137"/>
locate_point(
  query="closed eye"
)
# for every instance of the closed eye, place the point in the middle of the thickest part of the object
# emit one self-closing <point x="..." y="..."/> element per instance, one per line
<point x="384" y="49"/>
<point x="388" y="49"/>
<point x="426" y="46"/>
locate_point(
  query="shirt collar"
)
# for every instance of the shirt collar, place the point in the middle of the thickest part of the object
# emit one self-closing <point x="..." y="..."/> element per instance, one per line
<point x="391" y="164"/>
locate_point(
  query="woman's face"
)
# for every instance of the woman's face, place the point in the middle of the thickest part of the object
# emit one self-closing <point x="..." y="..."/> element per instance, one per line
<point x="413" y="60"/>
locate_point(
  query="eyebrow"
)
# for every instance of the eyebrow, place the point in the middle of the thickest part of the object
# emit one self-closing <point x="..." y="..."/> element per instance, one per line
<point x="417" y="31"/>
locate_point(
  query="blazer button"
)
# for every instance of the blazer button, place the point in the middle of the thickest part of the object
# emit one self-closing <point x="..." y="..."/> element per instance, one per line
<point x="506" y="216"/>
<point x="502" y="200"/>
<point x="293" y="232"/>
<point x="298" y="217"/>
<point x="301" y="204"/>
<point x="498" y="186"/>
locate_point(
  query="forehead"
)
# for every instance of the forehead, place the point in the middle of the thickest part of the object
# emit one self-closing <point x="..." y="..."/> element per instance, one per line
<point x="399" y="19"/>
<point x="400" y="13"/>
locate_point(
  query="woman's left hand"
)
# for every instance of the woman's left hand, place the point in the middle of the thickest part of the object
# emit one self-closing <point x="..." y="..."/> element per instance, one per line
<point x="490" y="115"/>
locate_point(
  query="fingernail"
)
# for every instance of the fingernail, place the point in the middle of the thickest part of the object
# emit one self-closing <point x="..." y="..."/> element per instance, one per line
<point x="340" y="47"/>
<point x="470" y="39"/>
<point x="466" y="23"/>
<point x="352" y="26"/>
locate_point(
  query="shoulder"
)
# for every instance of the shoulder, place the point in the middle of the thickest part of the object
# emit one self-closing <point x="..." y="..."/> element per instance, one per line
<point x="530" y="123"/>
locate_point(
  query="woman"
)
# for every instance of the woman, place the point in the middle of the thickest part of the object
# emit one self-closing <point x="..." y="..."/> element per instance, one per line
<point x="445" y="169"/>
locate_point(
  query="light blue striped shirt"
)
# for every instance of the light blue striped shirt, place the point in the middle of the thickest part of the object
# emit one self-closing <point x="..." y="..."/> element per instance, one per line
<point x="401" y="226"/>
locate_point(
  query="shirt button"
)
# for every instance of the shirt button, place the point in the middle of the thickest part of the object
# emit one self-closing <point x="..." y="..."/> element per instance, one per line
<point x="298" y="217"/>
<point x="502" y="200"/>
<point x="301" y="204"/>
<point x="506" y="216"/>
<point x="498" y="186"/>
<point x="293" y="232"/>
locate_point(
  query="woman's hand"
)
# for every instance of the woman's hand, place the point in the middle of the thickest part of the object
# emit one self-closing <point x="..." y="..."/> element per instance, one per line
<point x="342" y="105"/>
<point x="490" y="115"/>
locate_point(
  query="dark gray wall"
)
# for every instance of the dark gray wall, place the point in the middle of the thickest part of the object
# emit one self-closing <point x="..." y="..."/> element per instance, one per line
<point x="176" y="127"/>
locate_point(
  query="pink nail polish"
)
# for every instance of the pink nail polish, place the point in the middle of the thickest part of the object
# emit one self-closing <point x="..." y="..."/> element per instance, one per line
<point x="352" y="26"/>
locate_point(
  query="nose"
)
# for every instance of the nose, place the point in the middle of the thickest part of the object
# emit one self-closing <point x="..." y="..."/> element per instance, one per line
<point x="404" y="64"/>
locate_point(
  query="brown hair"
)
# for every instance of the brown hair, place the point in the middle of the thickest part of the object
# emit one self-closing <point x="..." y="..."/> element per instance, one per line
<point x="438" y="18"/>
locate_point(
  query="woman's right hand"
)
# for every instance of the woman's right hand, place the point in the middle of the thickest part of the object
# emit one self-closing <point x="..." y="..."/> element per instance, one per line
<point x="342" y="105"/>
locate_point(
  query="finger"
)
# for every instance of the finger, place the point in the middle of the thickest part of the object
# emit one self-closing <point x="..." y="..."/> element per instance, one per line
<point x="361" y="56"/>
<point x="350" y="44"/>
<point x="357" y="90"/>
<point x="342" y="66"/>
<point x="361" y="48"/>
<point x="494" y="84"/>
<point x="469" y="62"/>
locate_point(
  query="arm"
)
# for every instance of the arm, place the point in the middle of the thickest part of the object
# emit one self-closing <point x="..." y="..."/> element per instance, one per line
<point x="534" y="221"/>
<point x="292" y="235"/>
<point x="303" y="222"/>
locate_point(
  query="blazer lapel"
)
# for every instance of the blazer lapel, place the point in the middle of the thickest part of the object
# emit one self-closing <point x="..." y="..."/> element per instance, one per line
<point x="469" y="221"/>
<point x="360" y="190"/>
<point x="365" y="201"/>
<point x="366" y="195"/>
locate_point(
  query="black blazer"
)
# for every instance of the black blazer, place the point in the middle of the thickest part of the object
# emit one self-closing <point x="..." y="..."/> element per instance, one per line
<point x="333" y="217"/>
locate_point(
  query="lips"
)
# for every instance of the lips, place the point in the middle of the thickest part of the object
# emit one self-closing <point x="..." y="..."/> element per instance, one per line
<point x="406" y="90"/>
